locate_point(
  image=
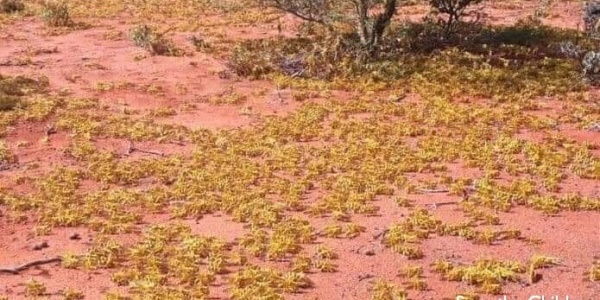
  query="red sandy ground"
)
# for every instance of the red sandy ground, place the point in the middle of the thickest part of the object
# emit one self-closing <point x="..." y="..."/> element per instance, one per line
<point x="84" y="58"/>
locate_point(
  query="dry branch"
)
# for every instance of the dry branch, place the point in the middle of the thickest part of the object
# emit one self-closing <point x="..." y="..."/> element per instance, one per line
<point x="432" y="191"/>
<point x="132" y="148"/>
<point x="23" y="267"/>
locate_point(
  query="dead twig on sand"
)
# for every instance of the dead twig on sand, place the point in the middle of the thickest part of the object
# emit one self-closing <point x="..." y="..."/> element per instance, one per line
<point x="23" y="267"/>
<point x="467" y="189"/>
<point x="132" y="148"/>
<point x="380" y="234"/>
<point x="365" y="276"/>
<point x="432" y="191"/>
<point x="435" y="206"/>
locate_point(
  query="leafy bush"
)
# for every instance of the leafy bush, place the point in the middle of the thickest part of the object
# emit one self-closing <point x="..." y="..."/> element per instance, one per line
<point x="543" y="10"/>
<point x="11" y="6"/>
<point x="418" y="54"/>
<point x="13" y="88"/>
<point x="199" y="43"/>
<point x="8" y="102"/>
<point x="591" y="18"/>
<point x="323" y="59"/>
<point x="56" y="14"/>
<point x="369" y="27"/>
<point x="591" y="67"/>
<point x="571" y="50"/>
<point x="146" y="37"/>
<point x="454" y="9"/>
<point x="6" y="156"/>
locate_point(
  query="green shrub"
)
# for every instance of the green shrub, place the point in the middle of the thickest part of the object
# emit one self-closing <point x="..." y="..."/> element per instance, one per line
<point x="11" y="6"/>
<point x="8" y="102"/>
<point x="56" y="14"/>
<point x="591" y="18"/>
<point x="13" y="88"/>
<point x="146" y="37"/>
<point x="455" y="10"/>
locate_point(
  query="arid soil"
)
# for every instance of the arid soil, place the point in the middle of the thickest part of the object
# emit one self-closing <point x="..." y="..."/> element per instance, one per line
<point x="90" y="63"/>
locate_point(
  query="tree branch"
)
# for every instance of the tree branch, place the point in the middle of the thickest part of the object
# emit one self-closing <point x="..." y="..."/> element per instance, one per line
<point x="23" y="267"/>
<point x="279" y="4"/>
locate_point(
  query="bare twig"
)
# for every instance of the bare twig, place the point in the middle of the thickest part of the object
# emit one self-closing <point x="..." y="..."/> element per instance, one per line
<point x="432" y="191"/>
<point x="50" y="129"/>
<point x="4" y="166"/>
<point x="150" y="152"/>
<point x="178" y="143"/>
<point x="595" y="127"/>
<point x="309" y="14"/>
<point x="434" y="206"/>
<point x="466" y="189"/>
<point x="18" y="269"/>
<point x="132" y="148"/>
<point x="380" y="234"/>
<point x="365" y="276"/>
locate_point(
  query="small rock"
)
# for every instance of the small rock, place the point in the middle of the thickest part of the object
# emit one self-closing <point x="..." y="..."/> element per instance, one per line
<point x="41" y="246"/>
<point x="364" y="276"/>
<point x="75" y="237"/>
<point x="594" y="127"/>
<point x="370" y="252"/>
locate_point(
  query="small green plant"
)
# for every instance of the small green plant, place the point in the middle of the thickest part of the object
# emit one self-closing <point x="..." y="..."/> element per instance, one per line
<point x="412" y="271"/>
<point x="71" y="294"/>
<point x="199" y="43"/>
<point x="538" y="262"/>
<point x="543" y="10"/>
<point x="70" y="261"/>
<point x="302" y="264"/>
<point x="487" y="274"/>
<point x="467" y="296"/>
<point x="414" y="278"/>
<point x="541" y="261"/>
<point x="34" y="288"/>
<point x="326" y="266"/>
<point x="6" y="155"/>
<point x="383" y="290"/>
<point x="147" y="37"/>
<point x="11" y="6"/>
<point x="8" y="102"/>
<point x="13" y="89"/>
<point x="591" y="67"/>
<point x="324" y="252"/>
<point x="332" y="231"/>
<point x="56" y="13"/>
<point x="353" y="230"/>
<point x="594" y="273"/>
<point x="591" y="18"/>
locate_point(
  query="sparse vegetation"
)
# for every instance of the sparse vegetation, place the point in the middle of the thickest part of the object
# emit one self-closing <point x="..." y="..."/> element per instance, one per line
<point x="591" y="18"/>
<point x="369" y="26"/>
<point x="594" y="273"/>
<point x="11" y="6"/>
<point x="383" y="290"/>
<point x="148" y="38"/>
<point x="455" y="10"/>
<point x="344" y="160"/>
<point x="56" y="13"/>
<point x="13" y="89"/>
<point x="488" y="275"/>
<point x="5" y="154"/>
<point x="34" y="288"/>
